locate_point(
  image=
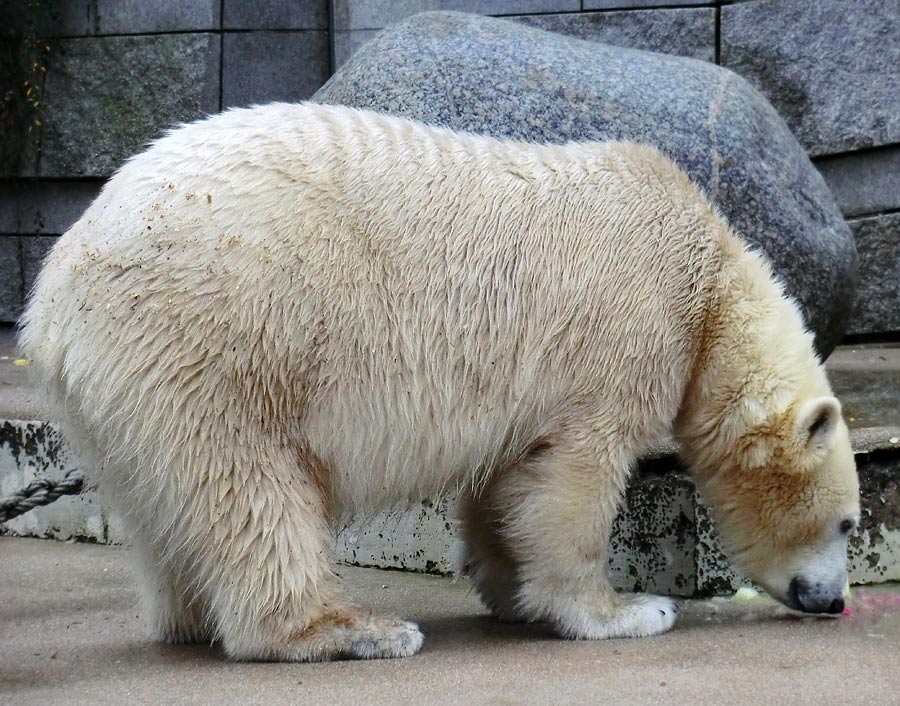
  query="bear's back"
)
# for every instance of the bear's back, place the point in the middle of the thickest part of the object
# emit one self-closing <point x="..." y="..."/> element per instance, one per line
<point x="366" y="260"/>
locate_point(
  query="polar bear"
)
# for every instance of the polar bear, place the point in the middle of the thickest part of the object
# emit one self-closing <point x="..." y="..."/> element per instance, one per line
<point x="282" y="315"/>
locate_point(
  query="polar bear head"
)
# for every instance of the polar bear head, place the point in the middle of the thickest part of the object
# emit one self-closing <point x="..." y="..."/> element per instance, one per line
<point x="787" y="501"/>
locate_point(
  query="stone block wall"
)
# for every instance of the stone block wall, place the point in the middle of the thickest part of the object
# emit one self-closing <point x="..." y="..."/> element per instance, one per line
<point x="109" y="75"/>
<point x="112" y="75"/>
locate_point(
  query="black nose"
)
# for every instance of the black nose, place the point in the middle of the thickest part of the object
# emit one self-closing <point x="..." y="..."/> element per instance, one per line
<point x="813" y="597"/>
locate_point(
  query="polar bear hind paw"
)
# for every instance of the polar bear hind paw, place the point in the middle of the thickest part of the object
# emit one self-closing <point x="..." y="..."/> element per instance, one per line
<point x="382" y="638"/>
<point x="339" y="636"/>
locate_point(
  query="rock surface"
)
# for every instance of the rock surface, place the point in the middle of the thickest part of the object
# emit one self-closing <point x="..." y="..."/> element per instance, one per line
<point x="496" y="77"/>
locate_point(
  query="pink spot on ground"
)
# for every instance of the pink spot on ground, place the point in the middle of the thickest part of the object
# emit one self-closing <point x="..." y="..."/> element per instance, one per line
<point x="866" y="602"/>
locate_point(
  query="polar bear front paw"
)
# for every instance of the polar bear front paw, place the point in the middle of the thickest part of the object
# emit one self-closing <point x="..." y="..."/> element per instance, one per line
<point x="633" y="615"/>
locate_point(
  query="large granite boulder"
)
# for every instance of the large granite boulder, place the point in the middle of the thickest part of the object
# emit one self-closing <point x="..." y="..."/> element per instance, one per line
<point x="498" y="77"/>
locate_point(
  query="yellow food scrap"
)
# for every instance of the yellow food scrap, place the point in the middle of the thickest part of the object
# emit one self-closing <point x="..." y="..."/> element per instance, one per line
<point x="745" y="594"/>
<point x="20" y="361"/>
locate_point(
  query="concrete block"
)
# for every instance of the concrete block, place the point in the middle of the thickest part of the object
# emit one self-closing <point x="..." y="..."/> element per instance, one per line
<point x="422" y="538"/>
<point x="50" y="18"/>
<point x="105" y="97"/>
<point x="30" y="450"/>
<point x="44" y="207"/>
<point x="878" y="294"/>
<point x="9" y="207"/>
<point x="79" y="18"/>
<point x="633" y="4"/>
<point x="10" y="279"/>
<point x="20" y="62"/>
<point x="20" y="262"/>
<point x="829" y="67"/>
<point x="875" y="547"/>
<point x="347" y="42"/>
<point x="33" y="250"/>
<point x="875" y="555"/>
<point x="684" y="32"/>
<point x="652" y="548"/>
<point x="654" y="538"/>
<point x="866" y="379"/>
<point x="276" y="14"/>
<point x="274" y="66"/>
<point x="715" y="573"/>
<point x="664" y="539"/>
<point x="116" y="531"/>
<point x="864" y="182"/>
<point x="375" y="14"/>
<point x="133" y="16"/>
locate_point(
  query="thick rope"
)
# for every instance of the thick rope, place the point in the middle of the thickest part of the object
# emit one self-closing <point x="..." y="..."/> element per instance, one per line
<point x="40" y="492"/>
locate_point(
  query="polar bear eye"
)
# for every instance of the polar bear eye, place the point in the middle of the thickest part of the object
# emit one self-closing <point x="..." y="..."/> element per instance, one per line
<point x="846" y="526"/>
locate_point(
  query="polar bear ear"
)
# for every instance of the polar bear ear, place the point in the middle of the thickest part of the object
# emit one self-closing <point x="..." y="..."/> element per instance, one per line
<point x="817" y="423"/>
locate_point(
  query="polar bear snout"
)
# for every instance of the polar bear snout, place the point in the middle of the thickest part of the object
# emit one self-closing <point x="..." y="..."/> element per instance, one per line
<point x="812" y="597"/>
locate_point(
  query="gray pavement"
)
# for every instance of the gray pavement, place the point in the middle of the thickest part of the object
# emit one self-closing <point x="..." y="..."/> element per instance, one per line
<point x="70" y="634"/>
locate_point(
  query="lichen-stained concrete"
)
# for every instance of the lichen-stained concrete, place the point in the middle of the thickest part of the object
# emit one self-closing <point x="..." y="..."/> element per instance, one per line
<point x="30" y="450"/>
<point x="70" y="634"/>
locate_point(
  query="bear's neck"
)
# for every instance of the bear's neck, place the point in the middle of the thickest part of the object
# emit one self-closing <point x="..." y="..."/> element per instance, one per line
<point x="755" y="361"/>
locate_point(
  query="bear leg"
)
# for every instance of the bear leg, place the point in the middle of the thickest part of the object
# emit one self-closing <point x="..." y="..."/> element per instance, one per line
<point x="174" y="611"/>
<point x="264" y="564"/>
<point x="557" y="508"/>
<point x="487" y="561"/>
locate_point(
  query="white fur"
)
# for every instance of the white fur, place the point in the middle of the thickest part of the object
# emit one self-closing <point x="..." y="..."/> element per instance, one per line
<point x="282" y="315"/>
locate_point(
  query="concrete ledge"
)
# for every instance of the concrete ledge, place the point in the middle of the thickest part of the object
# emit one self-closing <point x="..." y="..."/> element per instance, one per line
<point x="664" y="540"/>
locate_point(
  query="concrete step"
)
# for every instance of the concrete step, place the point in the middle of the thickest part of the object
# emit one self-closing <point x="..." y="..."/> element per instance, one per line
<point x="866" y="378"/>
<point x="664" y="540"/>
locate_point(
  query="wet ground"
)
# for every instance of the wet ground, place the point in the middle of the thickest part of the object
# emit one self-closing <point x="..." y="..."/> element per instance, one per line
<point x="70" y="634"/>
